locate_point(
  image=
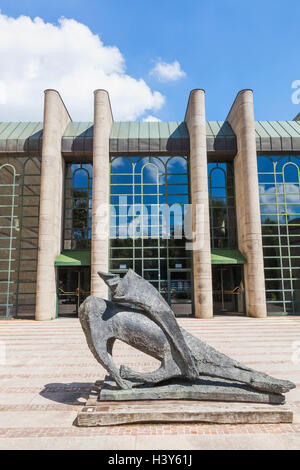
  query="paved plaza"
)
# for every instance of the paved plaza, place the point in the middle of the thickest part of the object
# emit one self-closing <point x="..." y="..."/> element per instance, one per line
<point x="49" y="370"/>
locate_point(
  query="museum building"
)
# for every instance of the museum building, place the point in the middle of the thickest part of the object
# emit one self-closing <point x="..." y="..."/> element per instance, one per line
<point x="71" y="194"/>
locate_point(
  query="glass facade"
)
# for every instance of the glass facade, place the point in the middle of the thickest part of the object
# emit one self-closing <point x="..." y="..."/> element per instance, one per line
<point x="19" y="225"/>
<point x="222" y="205"/>
<point x="140" y="237"/>
<point x="78" y="206"/>
<point x="141" y="188"/>
<point x="279" y="186"/>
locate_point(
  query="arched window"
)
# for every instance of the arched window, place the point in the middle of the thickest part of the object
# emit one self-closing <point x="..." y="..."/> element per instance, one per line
<point x="78" y="207"/>
<point x="222" y="205"/>
<point x="27" y="226"/>
<point x="7" y="236"/>
<point x="80" y="179"/>
<point x="19" y="220"/>
<point x="280" y="218"/>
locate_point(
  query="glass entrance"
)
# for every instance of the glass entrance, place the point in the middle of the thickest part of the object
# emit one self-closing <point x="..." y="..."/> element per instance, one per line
<point x="180" y="291"/>
<point x="73" y="287"/>
<point x="228" y="289"/>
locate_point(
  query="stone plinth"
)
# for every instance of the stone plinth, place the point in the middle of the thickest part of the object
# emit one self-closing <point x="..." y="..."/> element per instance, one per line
<point x="132" y="406"/>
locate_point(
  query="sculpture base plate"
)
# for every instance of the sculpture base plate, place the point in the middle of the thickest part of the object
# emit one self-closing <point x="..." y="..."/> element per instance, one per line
<point x="99" y="412"/>
<point x="205" y="388"/>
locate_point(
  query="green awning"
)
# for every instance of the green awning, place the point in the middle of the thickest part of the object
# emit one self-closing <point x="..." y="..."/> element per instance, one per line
<point x="227" y="257"/>
<point x="74" y="258"/>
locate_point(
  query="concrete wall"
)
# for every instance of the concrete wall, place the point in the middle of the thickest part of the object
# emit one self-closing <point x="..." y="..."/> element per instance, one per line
<point x="241" y="119"/>
<point x="56" y="119"/>
<point x="103" y="120"/>
<point x="195" y="119"/>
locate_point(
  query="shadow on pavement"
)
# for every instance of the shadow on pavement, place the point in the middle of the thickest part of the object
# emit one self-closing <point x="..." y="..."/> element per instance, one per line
<point x="75" y="393"/>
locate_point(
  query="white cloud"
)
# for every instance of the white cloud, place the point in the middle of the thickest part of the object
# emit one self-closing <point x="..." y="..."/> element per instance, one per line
<point x="168" y="72"/>
<point x="151" y="119"/>
<point x="68" y="57"/>
<point x="269" y="199"/>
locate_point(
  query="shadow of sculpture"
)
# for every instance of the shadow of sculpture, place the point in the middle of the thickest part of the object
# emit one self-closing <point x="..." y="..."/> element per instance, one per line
<point x="74" y="393"/>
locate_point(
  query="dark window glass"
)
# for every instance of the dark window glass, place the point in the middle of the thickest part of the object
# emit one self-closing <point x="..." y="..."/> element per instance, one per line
<point x="222" y="205"/>
<point x="77" y="206"/>
<point x="19" y="226"/>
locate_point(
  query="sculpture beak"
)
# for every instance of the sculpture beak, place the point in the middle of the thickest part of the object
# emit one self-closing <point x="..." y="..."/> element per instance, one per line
<point x="110" y="279"/>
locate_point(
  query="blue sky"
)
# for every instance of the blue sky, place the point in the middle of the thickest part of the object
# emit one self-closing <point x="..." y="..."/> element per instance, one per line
<point x="222" y="46"/>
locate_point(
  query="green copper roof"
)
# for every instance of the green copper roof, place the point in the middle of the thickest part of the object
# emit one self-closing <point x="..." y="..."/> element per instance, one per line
<point x="219" y="256"/>
<point x="126" y="137"/>
<point x="158" y="136"/>
<point x="219" y="129"/>
<point x="170" y="136"/>
<point x="152" y="130"/>
<point x="19" y="130"/>
<point x="78" y="137"/>
<point x="74" y="258"/>
<point x="277" y="135"/>
<point x="21" y="137"/>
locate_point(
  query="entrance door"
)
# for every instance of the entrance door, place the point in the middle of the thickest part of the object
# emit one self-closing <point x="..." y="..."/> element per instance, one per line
<point x="180" y="291"/>
<point x="73" y="287"/>
<point x="228" y="289"/>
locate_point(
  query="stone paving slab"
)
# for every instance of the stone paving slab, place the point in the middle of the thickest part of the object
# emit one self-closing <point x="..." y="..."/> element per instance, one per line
<point x="16" y="398"/>
<point x="50" y="368"/>
<point x="41" y="419"/>
<point x="167" y="442"/>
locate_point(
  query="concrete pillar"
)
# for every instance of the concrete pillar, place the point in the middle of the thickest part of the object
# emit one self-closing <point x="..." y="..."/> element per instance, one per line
<point x="241" y="119"/>
<point x="195" y="120"/>
<point x="103" y="121"/>
<point x="56" y="119"/>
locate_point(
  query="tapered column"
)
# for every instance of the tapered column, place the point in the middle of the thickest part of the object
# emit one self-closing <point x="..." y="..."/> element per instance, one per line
<point x="195" y="119"/>
<point x="103" y="121"/>
<point x="56" y="119"/>
<point x="241" y="119"/>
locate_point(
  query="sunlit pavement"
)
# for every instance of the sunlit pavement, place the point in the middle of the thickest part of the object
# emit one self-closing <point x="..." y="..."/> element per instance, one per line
<point x="48" y="370"/>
